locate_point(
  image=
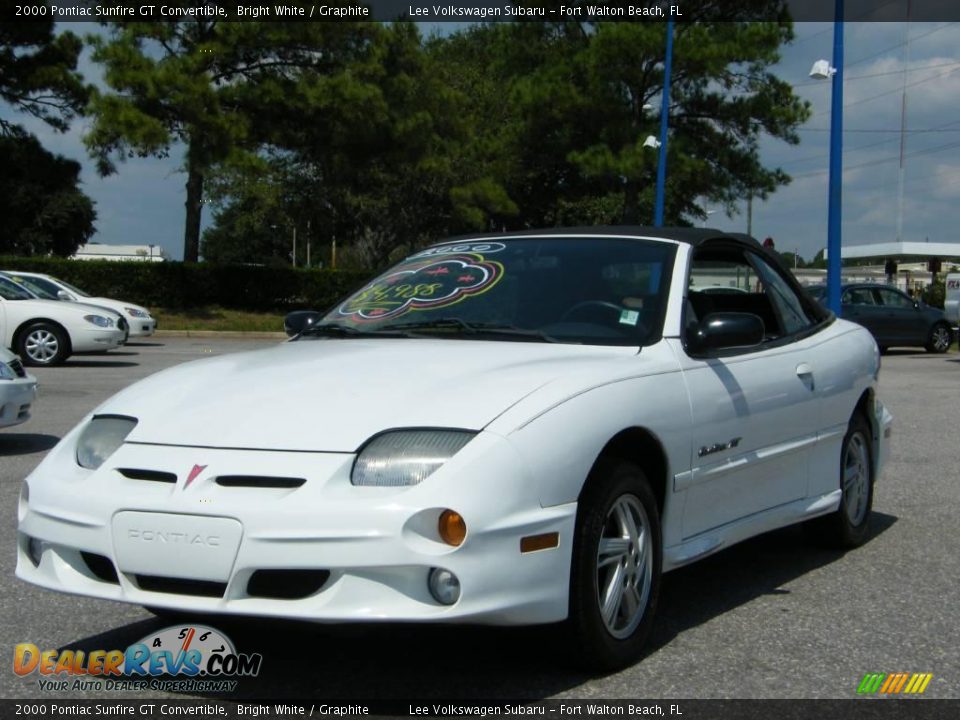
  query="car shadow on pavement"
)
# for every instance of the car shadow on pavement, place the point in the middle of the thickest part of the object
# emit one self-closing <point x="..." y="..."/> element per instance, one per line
<point x="397" y="661"/>
<point x="25" y="443"/>
<point x="382" y="662"/>
<point x="762" y="565"/>
<point x="100" y="363"/>
<point x="142" y="344"/>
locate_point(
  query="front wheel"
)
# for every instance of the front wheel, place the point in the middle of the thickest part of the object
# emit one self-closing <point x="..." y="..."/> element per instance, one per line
<point x="940" y="338"/>
<point x="616" y="566"/>
<point x="43" y="344"/>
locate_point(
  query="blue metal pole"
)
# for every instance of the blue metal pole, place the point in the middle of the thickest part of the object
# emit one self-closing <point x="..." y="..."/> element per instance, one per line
<point x="664" y="115"/>
<point x="836" y="167"/>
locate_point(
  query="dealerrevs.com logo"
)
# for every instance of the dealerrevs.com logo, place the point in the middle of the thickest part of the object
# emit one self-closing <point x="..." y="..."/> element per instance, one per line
<point x="194" y="658"/>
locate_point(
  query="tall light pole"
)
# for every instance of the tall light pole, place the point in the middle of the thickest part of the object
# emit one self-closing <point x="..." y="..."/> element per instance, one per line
<point x="664" y="115"/>
<point x="835" y="204"/>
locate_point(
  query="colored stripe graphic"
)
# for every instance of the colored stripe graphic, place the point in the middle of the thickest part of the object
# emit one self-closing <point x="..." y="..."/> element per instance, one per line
<point x="918" y="683"/>
<point x="871" y="683"/>
<point x="894" y="683"/>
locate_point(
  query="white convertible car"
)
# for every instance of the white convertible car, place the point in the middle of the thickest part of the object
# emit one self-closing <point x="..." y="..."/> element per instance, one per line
<point x="17" y="390"/>
<point x="139" y="322"/>
<point x="47" y="332"/>
<point x="513" y="429"/>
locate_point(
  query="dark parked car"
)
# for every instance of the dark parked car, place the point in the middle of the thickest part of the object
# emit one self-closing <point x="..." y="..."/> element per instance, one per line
<point x="892" y="316"/>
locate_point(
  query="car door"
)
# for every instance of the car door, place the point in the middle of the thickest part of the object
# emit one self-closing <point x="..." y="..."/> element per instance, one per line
<point x="755" y="416"/>
<point x="862" y="305"/>
<point x="905" y="319"/>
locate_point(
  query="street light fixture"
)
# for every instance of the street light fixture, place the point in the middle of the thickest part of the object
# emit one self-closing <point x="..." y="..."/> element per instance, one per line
<point x="822" y="70"/>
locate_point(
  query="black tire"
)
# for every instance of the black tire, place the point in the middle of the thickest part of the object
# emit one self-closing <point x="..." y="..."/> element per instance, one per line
<point x="940" y="338"/>
<point x="617" y="494"/>
<point x="43" y="344"/>
<point x="849" y="526"/>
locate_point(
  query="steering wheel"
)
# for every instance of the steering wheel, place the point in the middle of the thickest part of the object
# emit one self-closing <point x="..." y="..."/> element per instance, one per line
<point x="591" y="303"/>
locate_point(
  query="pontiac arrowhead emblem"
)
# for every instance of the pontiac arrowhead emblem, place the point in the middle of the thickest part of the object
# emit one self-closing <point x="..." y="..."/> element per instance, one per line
<point x="197" y="469"/>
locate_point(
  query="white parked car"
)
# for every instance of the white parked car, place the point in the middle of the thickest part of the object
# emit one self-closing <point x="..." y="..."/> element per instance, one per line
<point x="18" y="390"/>
<point x="951" y="305"/>
<point x="47" y="332"/>
<point x="513" y="429"/>
<point x="136" y="318"/>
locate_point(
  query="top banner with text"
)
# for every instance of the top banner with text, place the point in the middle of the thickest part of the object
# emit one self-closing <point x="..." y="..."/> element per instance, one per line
<point x="481" y="11"/>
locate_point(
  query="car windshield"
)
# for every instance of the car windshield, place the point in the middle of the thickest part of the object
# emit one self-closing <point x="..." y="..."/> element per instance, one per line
<point x="45" y="291"/>
<point x="74" y="289"/>
<point x="9" y="290"/>
<point x="591" y="290"/>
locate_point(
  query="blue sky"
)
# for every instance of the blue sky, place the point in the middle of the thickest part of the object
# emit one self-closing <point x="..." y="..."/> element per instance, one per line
<point x="143" y="203"/>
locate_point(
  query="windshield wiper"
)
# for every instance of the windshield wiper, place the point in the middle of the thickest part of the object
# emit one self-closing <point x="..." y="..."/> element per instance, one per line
<point x="463" y="327"/>
<point x="335" y="330"/>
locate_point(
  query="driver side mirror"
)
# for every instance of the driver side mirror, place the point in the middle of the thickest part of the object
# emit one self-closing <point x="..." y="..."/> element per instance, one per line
<point x="299" y="320"/>
<point x="726" y="331"/>
<point x="64" y="295"/>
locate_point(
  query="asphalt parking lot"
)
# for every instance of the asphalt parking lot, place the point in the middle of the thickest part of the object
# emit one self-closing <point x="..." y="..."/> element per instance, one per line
<point x="773" y="617"/>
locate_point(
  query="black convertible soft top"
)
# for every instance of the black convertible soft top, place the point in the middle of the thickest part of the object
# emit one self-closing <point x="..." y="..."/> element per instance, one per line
<point x="689" y="235"/>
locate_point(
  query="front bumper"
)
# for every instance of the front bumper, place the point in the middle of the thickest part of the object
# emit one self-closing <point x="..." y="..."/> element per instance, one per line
<point x="884" y="424"/>
<point x="96" y="339"/>
<point x="16" y="400"/>
<point x="216" y="547"/>
<point x="141" y="327"/>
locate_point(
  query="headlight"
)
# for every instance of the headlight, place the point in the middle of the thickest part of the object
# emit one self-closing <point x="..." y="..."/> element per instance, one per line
<point x="6" y="372"/>
<point x="101" y="438"/>
<point x="406" y="457"/>
<point x="133" y="312"/>
<point x="99" y="320"/>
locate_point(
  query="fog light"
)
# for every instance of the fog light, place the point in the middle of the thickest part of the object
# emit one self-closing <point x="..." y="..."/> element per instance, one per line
<point x="444" y="586"/>
<point x="35" y="550"/>
<point x="452" y="528"/>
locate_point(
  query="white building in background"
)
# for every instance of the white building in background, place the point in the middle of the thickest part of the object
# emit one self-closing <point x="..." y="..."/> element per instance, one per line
<point x="100" y="251"/>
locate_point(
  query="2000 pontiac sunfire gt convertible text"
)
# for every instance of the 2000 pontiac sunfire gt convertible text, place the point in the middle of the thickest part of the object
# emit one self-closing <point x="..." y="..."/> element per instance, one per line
<point x="513" y="429"/>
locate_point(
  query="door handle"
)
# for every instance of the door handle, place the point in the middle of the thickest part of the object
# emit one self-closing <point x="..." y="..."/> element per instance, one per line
<point x="805" y="372"/>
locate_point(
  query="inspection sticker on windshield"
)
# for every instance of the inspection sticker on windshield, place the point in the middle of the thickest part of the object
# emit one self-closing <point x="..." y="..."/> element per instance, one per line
<point x="629" y="317"/>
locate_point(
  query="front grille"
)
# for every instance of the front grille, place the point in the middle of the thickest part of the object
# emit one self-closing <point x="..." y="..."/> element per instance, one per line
<point x="101" y="566"/>
<point x="259" y="481"/>
<point x="180" y="586"/>
<point x="286" y="584"/>
<point x="152" y="475"/>
<point x="17" y="367"/>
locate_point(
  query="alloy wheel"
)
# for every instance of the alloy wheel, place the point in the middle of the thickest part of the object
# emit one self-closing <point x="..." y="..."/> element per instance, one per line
<point x="856" y="478"/>
<point x="624" y="566"/>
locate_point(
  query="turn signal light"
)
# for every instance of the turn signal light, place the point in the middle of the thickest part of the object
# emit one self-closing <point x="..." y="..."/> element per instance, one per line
<point x="452" y="528"/>
<point x="533" y="543"/>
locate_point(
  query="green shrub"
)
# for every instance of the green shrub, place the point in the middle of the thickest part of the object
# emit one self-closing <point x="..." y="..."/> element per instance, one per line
<point x="935" y="294"/>
<point x="187" y="285"/>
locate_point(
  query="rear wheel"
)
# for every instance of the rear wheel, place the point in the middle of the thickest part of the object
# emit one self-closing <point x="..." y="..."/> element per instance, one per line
<point x="849" y="526"/>
<point x="42" y="344"/>
<point x="940" y="338"/>
<point x="615" y="573"/>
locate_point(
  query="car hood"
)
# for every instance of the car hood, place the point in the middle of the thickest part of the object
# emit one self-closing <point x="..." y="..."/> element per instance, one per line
<point x="332" y="395"/>
<point x="117" y="306"/>
<point x="58" y="309"/>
